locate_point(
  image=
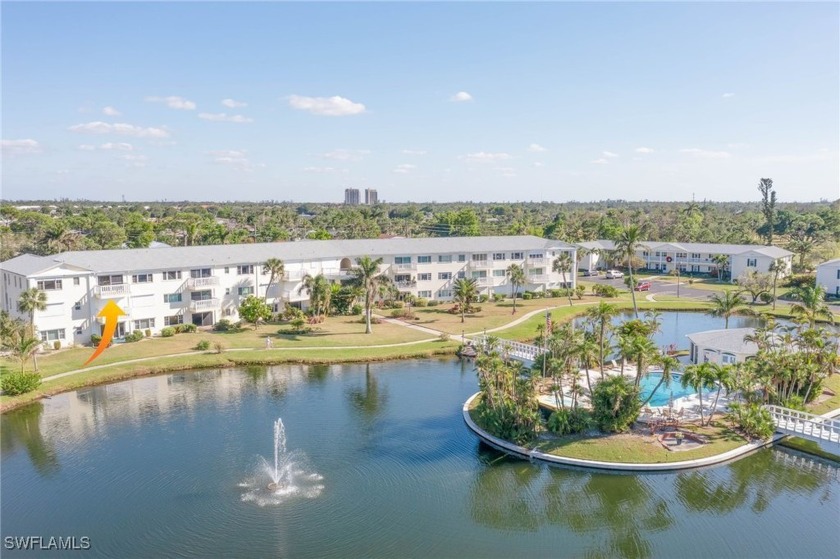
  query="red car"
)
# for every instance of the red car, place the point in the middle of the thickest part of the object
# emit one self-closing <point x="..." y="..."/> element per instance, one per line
<point x="643" y="286"/>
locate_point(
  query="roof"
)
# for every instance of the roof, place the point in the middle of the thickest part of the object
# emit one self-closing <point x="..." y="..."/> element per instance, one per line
<point x="598" y="245"/>
<point x="708" y="248"/>
<point x="730" y="341"/>
<point x="230" y="255"/>
<point x="29" y="264"/>
<point x="834" y="262"/>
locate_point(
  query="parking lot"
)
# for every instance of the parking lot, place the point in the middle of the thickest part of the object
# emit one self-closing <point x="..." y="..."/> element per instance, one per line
<point x="657" y="286"/>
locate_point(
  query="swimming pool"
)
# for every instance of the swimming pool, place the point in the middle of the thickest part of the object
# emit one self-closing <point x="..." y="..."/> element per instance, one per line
<point x="661" y="396"/>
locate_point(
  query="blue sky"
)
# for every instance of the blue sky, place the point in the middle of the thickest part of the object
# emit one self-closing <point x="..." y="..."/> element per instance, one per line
<point x="422" y="101"/>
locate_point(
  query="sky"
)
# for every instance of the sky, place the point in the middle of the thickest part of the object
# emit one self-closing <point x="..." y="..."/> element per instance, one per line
<point x="422" y="101"/>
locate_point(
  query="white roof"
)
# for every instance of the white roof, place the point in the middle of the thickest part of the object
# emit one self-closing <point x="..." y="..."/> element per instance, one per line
<point x="729" y="341"/>
<point x="707" y="248"/>
<point x="230" y="255"/>
<point x="834" y="262"/>
<point x="29" y="264"/>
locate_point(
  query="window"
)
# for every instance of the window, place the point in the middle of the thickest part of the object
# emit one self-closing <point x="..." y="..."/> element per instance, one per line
<point x="424" y="294"/>
<point x="535" y="256"/>
<point x="227" y="290"/>
<point x="658" y="254"/>
<point x="499" y="273"/>
<point x="227" y="270"/>
<point x="444" y="275"/>
<point x="52" y="335"/>
<point x="727" y="359"/>
<point x="141" y="278"/>
<point x="498" y="256"/>
<point x="751" y="262"/>
<point x="517" y="256"/>
<point x="173" y="320"/>
<point x="537" y="271"/>
<point x="424" y="277"/>
<point x="462" y="258"/>
<point x="245" y="290"/>
<point x="695" y="255"/>
<point x="201" y="273"/>
<point x="172" y="297"/>
<point x="402" y="260"/>
<point x="49" y="285"/>
<point x="838" y="273"/>
<point x="144" y="323"/>
<point x="445" y="293"/>
<point x="245" y="270"/>
<point x="76" y="281"/>
<point x="172" y="275"/>
<point x="462" y="274"/>
<point x="424" y="259"/>
<point x="645" y="253"/>
<point x="77" y="306"/>
<point x="205" y="295"/>
<point x="479" y="274"/>
<point x="681" y="255"/>
<point x="79" y="330"/>
<point x="445" y="258"/>
<point x="110" y="280"/>
<point x="479" y="258"/>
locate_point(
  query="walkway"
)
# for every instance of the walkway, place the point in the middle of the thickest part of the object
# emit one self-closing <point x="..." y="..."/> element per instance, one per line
<point x="807" y="425"/>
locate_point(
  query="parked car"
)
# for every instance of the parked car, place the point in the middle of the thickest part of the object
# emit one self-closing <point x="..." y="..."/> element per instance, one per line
<point x="614" y="274"/>
<point x="591" y="272"/>
<point x="643" y="286"/>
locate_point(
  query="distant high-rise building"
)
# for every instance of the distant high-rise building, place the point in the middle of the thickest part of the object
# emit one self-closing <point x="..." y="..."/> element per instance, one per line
<point x="351" y="196"/>
<point x="371" y="197"/>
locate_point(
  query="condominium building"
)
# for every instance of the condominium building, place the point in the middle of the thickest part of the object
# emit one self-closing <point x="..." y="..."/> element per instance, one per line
<point x="371" y="198"/>
<point x="700" y="258"/>
<point x="202" y="284"/>
<point x="351" y="196"/>
<point x="828" y="276"/>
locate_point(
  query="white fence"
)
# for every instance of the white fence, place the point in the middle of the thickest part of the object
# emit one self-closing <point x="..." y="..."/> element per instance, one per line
<point x="805" y="424"/>
<point x="516" y="350"/>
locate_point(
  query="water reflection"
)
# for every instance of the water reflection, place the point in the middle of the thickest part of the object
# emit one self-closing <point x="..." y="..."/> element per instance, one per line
<point x="370" y="399"/>
<point x="22" y="429"/>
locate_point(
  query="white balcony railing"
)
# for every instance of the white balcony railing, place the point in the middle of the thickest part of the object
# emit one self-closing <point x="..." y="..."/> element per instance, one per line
<point x="293" y="275"/>
<point x="481" y="264"/>
<point x="112" y="291"/>
<point x="204" y="304"/>
<point x="538" y="278"/>
<point x="195" y="283"/>
<point x="404" y="267"/>
<point x="483" y="282"/>
<point x="403" y="285"/>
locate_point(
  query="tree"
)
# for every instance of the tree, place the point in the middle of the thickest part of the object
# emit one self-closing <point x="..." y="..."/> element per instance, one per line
<point x="516" y="277"/>
<point x="31" y="300"/>
<point x="721" y="262"/>
<point x="768" y="208"/>
<point x="724" y="377"/>
<point x="465" y="291"/>
<point x="811" y="304"/>
<point x="627" y="243"/>
<point x="725" y="304"/>
<point x="587" y="352"/>
<point x="699" y="377"/>
<point x="615" y="404"/>
<point x="320" y="291"/>
<point x="21" y="342"/>
<point x="253" y="310"/>
<point x="564" y="264"/>
<point x="755" y="284"/>
<point x="602" y="316"/>
<point x="275" y="269"/>
<point x="368" y="278"/>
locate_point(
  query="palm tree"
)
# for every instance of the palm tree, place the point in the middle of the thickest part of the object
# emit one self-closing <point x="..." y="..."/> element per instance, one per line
<point x="642" y="351"/>
<point x="777" y="266"/>
<point x="721" y="261"/>
<point x="811" y="305"/>
<point x="275" y="268"/>
<point x="564" y="264"/>
<point x="31" y="300"/>
<point x="516" y="277"/>
<point x="368" y="278"/>
<point x="724" y="377"/>
<point x="465" y="291"/>
<point x="24" y="346"/>
<point x="627" y="243"/>
<point x="602" y="315"/>
<point x="587" y="352"/>
<point x="699" y="377"/>
<point x="725" y="304"/>
<point x="668" y="364"/>
<point x="319" y="290"/>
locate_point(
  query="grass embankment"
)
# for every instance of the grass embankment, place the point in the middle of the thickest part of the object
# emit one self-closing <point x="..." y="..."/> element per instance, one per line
<point x="808" y="447"/>
<point x="832" y="383"/>
<point x="228" y="359"/>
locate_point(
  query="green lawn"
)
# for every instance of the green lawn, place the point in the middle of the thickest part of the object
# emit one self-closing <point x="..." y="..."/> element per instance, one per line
<point x="831" y="404"/>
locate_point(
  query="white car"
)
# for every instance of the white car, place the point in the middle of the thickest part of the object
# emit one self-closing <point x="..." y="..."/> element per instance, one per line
<point x="614" y="274"/>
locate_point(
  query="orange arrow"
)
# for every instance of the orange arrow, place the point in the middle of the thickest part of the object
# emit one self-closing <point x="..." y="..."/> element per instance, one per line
<point x="111" y="312"/>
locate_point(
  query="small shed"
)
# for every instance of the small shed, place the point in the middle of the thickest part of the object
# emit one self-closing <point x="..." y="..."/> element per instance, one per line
<point x="723" y="347"/>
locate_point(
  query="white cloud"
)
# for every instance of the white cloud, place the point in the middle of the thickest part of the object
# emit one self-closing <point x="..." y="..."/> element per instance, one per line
<point x="706" y="154"/>
<point x="346" y="154"/>
<point x="461" y="97"/>
<point x="119" y="146"/>
<point x="120" y="128"/>
<point x="325" y="170"/>
<point x="536" y="148"/>
<point x="484" y="157"/>
<point x="609" y="154"/>
<point x="222" y="117"/>
<point x="644" y="150"/>
<point x="236" y="158"/>
<point x="539" y="164"/>
<point x="231" y="104"/>
<point x="111" y="111"/>
<point x="414" y="152"/>
<point x="173" y="102"/>
<point x="404" y="169"/>
<point x="326" y="106"/>
<point x="600" y="161"/>
<point x="20" y="147"/>
<point x="86" y="147"/>
<point x="728" y="95"/>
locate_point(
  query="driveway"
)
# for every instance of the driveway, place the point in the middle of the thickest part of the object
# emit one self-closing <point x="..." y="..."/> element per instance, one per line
<point x="657" y="287"/>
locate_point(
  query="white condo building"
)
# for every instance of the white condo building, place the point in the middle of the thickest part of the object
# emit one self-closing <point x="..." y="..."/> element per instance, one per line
<point x="690" y="257"/>
<point x="828" y="276"/>
<point x="159" y="287"/>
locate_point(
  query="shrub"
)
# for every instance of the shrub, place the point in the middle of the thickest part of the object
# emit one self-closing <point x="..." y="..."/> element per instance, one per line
<point x="800" y="280"/>
<point x="434" y="303"/>
<point x="186" y="328"/>
<point x="615" y="404"/>
<point x="580" y="290"/>
<point x="167" y="332"/>
<point x="57" y="344"/>
<point x="225" y="325"/>
<point x="135" y="336"/>
<point x="202" y="345"/>
<point x="498" y="297"/>
<point x="765" y="298"/>
<point x="356" y="309"/>
<point x="527" y="296"/>
<point x="483" y="298"/>
<point x="444" y="337"/>
<point x="567" y="421"/>
<point x="147" y="332"/>
<point x="95" y="339"/>
<point x="752" y="419"/>
<point x="421" y="302"/>
<point x="218" y="347"/>
<point x="399" y="313"/>
<point x="397" y="304"/>
<point x="607" y="291"/>
<point x="19" y="383"/>
<point x="290" y="313"/>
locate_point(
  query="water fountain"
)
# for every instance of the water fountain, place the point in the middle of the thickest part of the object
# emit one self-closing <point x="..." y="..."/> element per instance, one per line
<point x="277" y="475"/>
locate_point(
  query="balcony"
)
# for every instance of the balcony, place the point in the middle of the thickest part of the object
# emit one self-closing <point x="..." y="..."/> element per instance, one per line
<point x="484" y="282"/>
<point x="537" y="261"/>
<point x="538" y="278"/>
<point x="197" y="283"/>
<point x="293" y="275"/>
<point x="112" y="291"/>
<point x="481" y="264"/>
<point x="204" y="304"/>
<point x="404" y="267"/>
<point x="405" y="285"/>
